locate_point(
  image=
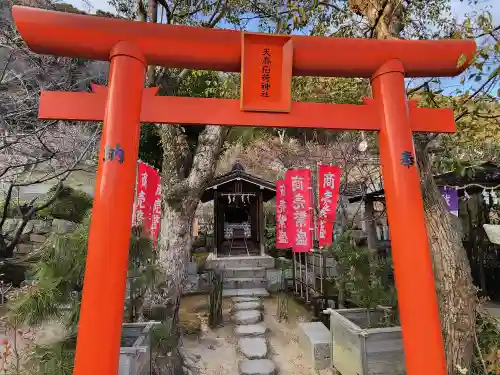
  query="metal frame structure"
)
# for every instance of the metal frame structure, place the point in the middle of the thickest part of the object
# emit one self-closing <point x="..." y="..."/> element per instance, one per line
<point x="132" y="46"/>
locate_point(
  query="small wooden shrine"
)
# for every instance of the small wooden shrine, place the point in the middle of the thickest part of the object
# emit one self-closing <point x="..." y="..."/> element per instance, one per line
<point x="239" y="221"/>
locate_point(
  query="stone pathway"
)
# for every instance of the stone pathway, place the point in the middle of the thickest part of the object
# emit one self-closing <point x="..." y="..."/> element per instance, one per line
<point x="252" y="344"/>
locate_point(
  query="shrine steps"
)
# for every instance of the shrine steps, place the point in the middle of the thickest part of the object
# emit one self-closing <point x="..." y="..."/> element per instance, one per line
<point x="245" y="282"/>
<point x="244" y="276"/>
<point x="253" y="292"/>
<point x="243" y="272"/>
<point x="240" y="262"/>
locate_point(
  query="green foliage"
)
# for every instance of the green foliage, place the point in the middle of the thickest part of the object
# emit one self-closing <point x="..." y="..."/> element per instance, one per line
<point x="363" y="277"/>
<point x="142" y="273"/>
<point x="56" y="286"/>
<point x="487" y="350"/>
<point x="57" y="280"/>
<point x="478" y="132"/>
<point x="71" y="205"/>
<point x="54" y="359"/>
<point x="215" y="303"/>
<point x="150" y="148"/>
<point x="474" y="101"/>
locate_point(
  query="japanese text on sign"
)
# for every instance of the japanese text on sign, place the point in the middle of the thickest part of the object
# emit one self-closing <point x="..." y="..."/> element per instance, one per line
<point x="155" y="222"/>
<point x="329" y="184"/>
<point x="300" y="215"/>
<point x="141" y="198"/>
<point x="265" y="77"/>
<point x="147" y="206"/>
<point x="282" y="240"/>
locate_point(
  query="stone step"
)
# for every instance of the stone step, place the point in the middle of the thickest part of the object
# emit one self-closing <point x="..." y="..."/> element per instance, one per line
<point x="245" y="299"/>
<point x="245" y="272"/>
<point x="253" y="347"/>
<point x="232" y="262"/>
<point x="250" y="330"/>
<point x="247" y="317"/>
<point x="257" y="367"/>
<point x="254" y="292"/>
<point x="248" y="305"/>
<point x="244" y="283"/>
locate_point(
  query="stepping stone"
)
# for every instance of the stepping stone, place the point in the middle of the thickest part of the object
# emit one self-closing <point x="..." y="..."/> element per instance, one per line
<point x="253" y="347"/>
<point x="257" y="367"/>
<point x="247" y="317"/>
<point x="251" y="305"/>
<point x="245" y="299"/>
<point x="254" y="292"/>
<point x="250" y="330"/>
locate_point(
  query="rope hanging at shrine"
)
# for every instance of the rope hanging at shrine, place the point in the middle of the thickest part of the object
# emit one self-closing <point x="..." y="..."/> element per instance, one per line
<point x="489" y="192"/>
<point x="231" y="197"/>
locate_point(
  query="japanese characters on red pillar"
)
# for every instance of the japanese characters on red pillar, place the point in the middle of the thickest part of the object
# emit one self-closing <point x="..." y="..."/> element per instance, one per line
<point x="282" y="238"/>
<point x="329" y="184"/>
<point x="300" y="215"/>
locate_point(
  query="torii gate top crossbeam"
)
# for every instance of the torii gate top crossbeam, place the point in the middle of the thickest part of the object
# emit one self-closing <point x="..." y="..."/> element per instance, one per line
<point x="73" y="35"/>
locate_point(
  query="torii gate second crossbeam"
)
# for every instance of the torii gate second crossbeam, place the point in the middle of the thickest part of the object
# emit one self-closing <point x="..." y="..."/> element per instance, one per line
<point x="267" y="64"/>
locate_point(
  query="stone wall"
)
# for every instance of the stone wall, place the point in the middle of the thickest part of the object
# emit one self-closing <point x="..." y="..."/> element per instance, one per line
<point x="34" y="235"/>
<point x="36" y="232"/>
<point x="196" y="282"/>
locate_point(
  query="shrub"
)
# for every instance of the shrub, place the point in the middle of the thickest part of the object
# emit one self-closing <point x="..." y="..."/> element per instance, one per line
<point x="70" y="204"/>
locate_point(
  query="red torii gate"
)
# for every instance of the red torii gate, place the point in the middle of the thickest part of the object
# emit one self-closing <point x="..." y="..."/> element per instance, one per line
<point x="267" y="64"/>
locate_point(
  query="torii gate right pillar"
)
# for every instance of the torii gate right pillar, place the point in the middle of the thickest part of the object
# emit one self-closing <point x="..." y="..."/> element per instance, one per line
<point x="417" y="301"/>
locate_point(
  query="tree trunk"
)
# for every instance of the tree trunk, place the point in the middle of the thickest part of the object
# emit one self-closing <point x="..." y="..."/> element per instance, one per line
<point x="454" y="286"/>
<point x="173" y="252"/>
<point x="184" y="177"/>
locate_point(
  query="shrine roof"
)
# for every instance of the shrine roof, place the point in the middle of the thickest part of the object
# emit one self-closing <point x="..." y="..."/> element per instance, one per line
<point x="238" y="173"/>
<point x="486" y="174"/>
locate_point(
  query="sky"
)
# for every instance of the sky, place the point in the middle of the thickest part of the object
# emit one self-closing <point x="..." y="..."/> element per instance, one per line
<point x="459" y="10"/>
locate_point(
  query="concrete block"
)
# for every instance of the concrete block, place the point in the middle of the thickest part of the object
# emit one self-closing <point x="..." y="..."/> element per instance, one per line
<point x="63" y="226"/>
<point x="192" y="268"/>
<point x="38" y="238"/>
<point x="24" y="249"/>
<point x="274" y="278"/>
<point x="191" y="284"/>
<point x="315" y="340"/>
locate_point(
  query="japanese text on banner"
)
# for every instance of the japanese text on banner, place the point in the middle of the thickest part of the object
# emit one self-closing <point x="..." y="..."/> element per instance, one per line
<point x="300" y="213"/>
<point x="155" y="222"/>
<point x="147" y="181"/>
<point x="282" y="239"/>
<point x="329" y="184"/>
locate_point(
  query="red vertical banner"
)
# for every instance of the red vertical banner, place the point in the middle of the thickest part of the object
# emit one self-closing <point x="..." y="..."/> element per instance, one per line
<point x="156" y="211"/>
<point x="300" y="212"/>
<point x="282" y="239"/>
<point x="147" y="181"/>
<point x="329" y="185"/>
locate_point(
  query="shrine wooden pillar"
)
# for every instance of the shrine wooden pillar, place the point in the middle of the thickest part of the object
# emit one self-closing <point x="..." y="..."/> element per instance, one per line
<point x="216" y="223"/>
<point x="109" y="234"/>
<point x="369" y="218"/>
<point x="411" y="256"/>
<point x="262" y="224"/>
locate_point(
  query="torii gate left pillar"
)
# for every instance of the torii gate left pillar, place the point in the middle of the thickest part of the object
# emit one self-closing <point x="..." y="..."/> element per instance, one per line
<point x="265" y="101"/>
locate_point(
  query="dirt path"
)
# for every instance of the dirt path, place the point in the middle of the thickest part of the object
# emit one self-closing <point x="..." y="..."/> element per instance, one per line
<point x="284" y="339"/>
<point x="217" y="348"/>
